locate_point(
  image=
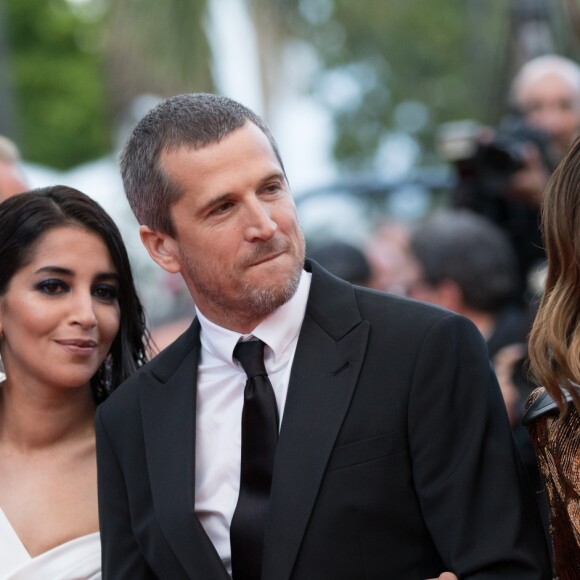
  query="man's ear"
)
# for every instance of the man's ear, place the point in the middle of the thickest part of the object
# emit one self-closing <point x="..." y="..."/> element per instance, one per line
<point x="162" y="248"/>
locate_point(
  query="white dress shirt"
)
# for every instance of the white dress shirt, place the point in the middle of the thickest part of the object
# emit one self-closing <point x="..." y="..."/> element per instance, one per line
<point x="220" y="399"/>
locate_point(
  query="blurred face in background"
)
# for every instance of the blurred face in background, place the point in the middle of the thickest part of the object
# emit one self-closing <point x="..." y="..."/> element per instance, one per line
<point x="551" y="102"/>
<point x="12" y="181"/>
<point x="393" y="267"/>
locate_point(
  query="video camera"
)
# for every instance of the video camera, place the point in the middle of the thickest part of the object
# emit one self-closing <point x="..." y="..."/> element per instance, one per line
<point x="484" y="163"/>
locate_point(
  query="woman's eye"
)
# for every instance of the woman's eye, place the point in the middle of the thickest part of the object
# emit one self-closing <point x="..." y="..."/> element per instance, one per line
<point x="106" y="292"/>
<point x="52" y="287"/>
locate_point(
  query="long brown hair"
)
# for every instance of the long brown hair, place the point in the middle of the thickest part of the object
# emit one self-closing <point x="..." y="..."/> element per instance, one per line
<point x="554" y="346"/>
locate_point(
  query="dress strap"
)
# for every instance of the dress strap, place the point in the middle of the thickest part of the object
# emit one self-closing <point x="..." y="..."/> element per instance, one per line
<point x="543" y="405"/>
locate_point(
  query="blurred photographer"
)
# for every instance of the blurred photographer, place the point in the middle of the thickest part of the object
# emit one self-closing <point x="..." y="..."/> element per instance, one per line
<point x="546" y="91"/>
<point x="502" y="172"/>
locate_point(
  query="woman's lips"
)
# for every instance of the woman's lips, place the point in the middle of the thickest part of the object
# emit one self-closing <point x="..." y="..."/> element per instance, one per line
<point x="78" y="346"/>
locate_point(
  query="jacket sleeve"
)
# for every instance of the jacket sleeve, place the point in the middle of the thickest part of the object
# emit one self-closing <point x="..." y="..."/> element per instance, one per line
<point x="473" y="491"/>
<point x="121" y="555"/>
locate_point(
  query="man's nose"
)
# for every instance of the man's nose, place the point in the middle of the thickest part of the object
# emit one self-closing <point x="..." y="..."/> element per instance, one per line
<point x="260" y="223"/>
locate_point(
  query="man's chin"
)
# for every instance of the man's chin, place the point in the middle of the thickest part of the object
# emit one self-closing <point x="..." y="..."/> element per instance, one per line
<point x="272" y="290"/>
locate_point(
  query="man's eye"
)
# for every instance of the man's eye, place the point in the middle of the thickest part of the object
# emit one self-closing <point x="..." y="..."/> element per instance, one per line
<point x="223" y="208"/>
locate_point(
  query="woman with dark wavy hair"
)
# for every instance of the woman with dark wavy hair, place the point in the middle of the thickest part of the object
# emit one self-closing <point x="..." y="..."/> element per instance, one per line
<point x="553" y="415"/>
<point x="71" y="329"/>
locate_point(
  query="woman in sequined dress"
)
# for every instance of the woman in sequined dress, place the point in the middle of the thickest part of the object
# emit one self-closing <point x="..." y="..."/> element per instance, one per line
<point x="553" y="415"/>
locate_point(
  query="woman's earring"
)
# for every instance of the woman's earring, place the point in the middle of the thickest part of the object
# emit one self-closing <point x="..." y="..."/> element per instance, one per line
<point x="108" y="373"/>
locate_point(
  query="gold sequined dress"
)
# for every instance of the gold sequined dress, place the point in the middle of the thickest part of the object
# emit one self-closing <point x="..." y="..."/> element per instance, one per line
<point x="557" y="445"/>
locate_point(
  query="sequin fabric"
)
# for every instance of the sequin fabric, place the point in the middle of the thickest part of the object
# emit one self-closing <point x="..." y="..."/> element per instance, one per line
<point x="557" y="445"/>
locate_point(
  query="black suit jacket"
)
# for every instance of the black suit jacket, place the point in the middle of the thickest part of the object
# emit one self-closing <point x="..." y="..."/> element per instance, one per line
<point x="395" y="458"/>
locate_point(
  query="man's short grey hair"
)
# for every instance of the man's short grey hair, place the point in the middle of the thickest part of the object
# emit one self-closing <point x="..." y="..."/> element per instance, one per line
<point x="471" y="251"/>
<point x="536" y="68"/>
<point x="194" y="121"/>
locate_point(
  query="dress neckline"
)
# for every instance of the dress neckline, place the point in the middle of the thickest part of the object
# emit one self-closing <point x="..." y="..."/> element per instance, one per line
<point x="20" y="547"/>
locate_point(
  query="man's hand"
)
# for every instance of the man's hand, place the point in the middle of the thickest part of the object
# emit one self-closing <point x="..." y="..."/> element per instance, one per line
<point x="445" y="576"/>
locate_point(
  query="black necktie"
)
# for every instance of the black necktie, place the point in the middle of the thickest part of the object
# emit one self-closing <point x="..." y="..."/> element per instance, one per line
<point x="259" y="439"/>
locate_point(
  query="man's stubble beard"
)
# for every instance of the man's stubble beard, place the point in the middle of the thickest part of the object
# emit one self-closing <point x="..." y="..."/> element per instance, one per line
<point x="252" y="301"/>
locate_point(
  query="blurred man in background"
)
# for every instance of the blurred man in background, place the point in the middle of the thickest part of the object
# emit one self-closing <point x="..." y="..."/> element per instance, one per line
<point x="465" y="263"/>
<point x="503" y="171"/>
<point x="12" y="180"/>
<point x="546" y="91"/>
<point x="343" y="259"/>
<point x="387" y="253"/>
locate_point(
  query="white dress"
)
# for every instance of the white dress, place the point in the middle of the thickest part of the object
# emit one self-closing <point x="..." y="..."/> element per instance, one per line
<point x="79" y="559"/>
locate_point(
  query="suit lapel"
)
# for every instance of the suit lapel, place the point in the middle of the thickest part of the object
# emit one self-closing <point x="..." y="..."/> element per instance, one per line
<point x="168" y="409"/>
<point x="326" y="366"/>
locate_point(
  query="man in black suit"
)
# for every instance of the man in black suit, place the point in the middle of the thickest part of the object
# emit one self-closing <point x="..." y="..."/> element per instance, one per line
<point x="394" y="457"/>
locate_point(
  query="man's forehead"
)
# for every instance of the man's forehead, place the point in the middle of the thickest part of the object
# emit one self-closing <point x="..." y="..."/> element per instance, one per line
<point x="548" y="83"/>
<point x="245" y="160"/>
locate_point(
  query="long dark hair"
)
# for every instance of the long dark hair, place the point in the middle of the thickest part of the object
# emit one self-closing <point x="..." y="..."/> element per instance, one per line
<point x="26" y="217"/>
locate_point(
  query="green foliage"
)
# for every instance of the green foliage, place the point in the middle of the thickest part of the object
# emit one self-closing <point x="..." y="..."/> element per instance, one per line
<point x="430" y="53"/>
<point x="57" y="82"/>
<point x="386" y="66"/>
<point x="157" y="47"/>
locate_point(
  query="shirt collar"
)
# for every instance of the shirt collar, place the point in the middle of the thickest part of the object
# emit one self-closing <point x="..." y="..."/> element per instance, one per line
<point x="278" y="330"/>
